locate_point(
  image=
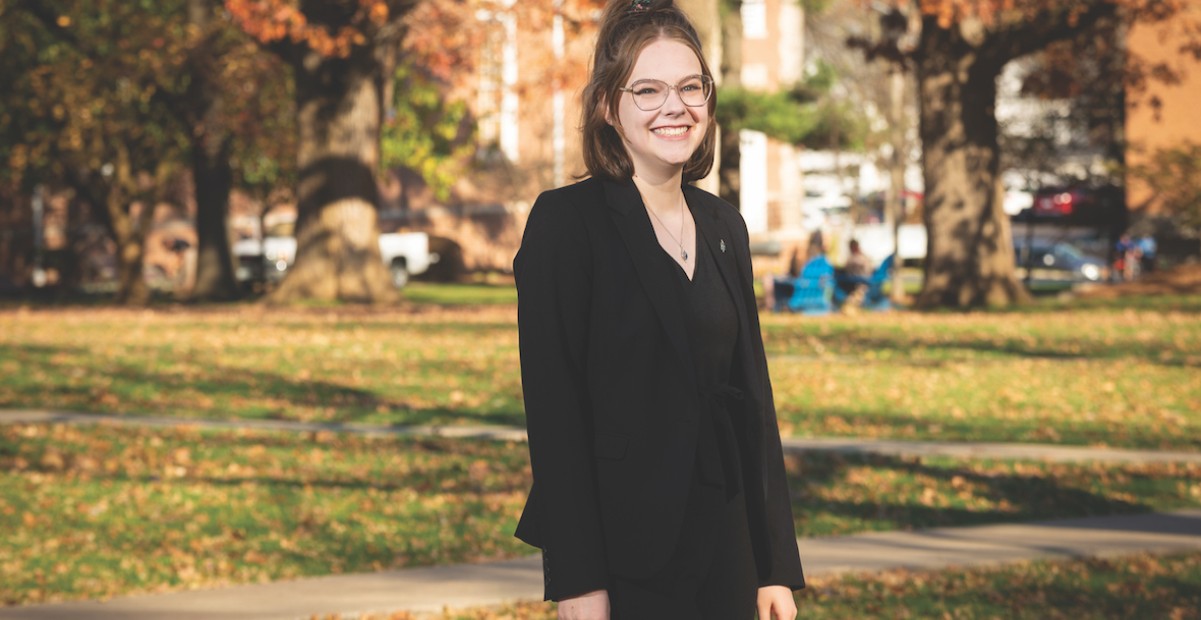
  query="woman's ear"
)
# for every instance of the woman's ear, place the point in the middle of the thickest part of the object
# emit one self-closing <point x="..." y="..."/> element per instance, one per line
<point x="612" y="120"/>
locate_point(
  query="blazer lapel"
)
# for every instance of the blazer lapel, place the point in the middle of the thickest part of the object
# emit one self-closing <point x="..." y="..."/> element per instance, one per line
<point x="719" y="239"/>
<point x="716" y="235"/>
<point x="659" y="282"/>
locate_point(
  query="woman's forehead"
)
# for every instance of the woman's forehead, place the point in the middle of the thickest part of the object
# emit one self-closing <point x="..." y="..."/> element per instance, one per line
<point x="665" y="59"/>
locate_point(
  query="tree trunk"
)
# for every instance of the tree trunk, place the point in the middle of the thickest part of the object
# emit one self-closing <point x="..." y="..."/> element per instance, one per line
<point x="129" y="232"/>
<point x="969" y="256"/>
<point x="337" y="233"/>
<point x="213" y="180"/>
<point x="110" y="198"/>
<point x="211" y="173"/>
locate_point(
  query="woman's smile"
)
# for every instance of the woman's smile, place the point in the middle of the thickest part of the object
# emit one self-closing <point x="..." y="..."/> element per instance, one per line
<point x="672" y="132"/>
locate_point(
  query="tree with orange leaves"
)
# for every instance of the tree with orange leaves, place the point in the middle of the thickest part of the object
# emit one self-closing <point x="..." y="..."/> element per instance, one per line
<point x="343" y="55"/>
<point x="957" y="48"/>
<point x="338" y="51"/>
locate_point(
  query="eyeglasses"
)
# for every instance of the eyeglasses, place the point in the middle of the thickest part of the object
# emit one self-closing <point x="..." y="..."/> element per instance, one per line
<point x="650" y="95"/>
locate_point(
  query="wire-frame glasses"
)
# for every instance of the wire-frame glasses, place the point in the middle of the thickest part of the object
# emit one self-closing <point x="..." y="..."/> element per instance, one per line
<point x="650" y="95"/>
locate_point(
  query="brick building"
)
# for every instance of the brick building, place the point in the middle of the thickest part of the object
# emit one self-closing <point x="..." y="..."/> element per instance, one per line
<point x="1176" y="121"/>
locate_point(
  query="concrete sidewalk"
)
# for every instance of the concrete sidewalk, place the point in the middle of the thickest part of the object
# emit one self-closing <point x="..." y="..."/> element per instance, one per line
<point x="432" y="589"/>
<point x="850" y="445"/>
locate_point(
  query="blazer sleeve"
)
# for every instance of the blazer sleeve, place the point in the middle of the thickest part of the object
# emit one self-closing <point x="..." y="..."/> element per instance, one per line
<point x="553" y="274"/>
<point x="785" y="558"/>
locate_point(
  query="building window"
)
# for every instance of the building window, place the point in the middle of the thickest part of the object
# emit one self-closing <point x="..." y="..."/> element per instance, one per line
<point x="754" y="19"/>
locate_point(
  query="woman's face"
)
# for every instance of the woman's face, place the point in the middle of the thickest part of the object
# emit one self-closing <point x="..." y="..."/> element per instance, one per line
<point x="661" y="141"/>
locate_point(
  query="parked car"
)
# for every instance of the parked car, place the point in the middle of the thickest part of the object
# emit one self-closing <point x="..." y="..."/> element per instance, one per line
<point x="1056" y="265"/>
<point x="266" y="261"/>
<point x="1102" y="207"/>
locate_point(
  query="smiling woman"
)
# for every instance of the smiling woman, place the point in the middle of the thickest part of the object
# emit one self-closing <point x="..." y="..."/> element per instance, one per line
<point x="659" y="486"/>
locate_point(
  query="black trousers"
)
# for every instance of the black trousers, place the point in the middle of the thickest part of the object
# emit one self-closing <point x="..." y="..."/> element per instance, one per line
<point x="710" y="576"/>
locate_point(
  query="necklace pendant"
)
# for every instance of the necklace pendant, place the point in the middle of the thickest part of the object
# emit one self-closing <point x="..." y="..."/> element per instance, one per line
<point x="683" y="255"/>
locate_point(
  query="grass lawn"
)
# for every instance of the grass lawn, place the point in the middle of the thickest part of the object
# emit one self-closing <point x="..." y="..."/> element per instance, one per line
<point x="1113" y="372"/>
<point x="478" y="294"/>
<point x="1099" y="376"/>
<point x="1138" y="586"/>
<point x="93" y="511"/>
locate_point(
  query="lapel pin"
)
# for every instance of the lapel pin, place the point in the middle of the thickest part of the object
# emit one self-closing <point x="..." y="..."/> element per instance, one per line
<point x="723" y="246"/>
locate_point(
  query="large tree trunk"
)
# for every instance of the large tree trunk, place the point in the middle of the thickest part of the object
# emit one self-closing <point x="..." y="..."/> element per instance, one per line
<point x="213" y="181"/>
<point x="211" y="173"/>
<point x="337" y="234"/>
<point x="969" y="256"/>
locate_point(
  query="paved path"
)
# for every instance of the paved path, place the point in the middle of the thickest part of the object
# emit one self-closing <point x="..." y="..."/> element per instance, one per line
<point x="894" y="447"/>
<point x="432" y="589"/>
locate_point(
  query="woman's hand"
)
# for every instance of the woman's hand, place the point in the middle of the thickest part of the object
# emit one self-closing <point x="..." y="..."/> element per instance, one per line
<point x="775" y="603"/>
<point x="590" y="606"/>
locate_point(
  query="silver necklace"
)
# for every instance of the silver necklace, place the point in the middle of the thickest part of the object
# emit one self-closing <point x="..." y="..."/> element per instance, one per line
<point x="683" y="252"/>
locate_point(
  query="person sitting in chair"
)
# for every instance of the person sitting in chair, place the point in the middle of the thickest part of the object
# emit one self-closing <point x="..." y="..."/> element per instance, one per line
<point x="857" y="271"/>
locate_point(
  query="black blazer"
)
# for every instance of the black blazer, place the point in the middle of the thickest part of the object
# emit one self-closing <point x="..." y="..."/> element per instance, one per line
<point x="611" y="398"/>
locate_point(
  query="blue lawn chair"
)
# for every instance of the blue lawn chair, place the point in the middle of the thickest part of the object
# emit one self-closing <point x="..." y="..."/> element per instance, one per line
<point x="813" y="289"/>
<point x="875" y="299"/>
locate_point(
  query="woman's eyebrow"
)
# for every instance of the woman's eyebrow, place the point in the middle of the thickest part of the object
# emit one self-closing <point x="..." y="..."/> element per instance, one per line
<point x="690" y="75"/>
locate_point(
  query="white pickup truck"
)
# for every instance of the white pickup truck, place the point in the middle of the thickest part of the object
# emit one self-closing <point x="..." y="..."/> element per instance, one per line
<point x="405" y="254"/>
<point x="876" y="240"/>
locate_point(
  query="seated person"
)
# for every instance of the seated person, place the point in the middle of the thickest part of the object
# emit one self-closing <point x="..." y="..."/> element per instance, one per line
<point x="857" y="271"/>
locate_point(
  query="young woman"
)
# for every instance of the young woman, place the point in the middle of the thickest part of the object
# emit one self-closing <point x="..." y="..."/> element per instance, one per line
<point x="659" y="487"/>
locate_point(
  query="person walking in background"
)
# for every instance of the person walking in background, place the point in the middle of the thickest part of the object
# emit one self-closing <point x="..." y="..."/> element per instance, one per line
<point x="1147" y="249"/>
<point x="1127" y="264"/>
<point x="659" y="487"/>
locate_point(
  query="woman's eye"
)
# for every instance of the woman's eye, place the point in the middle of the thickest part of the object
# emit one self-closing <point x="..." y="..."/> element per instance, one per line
<point x="647" y="90"/>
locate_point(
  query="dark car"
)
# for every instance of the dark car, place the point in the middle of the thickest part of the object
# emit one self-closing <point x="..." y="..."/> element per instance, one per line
<point x="1056" y="265"/>
<point x="1103" y="207"/>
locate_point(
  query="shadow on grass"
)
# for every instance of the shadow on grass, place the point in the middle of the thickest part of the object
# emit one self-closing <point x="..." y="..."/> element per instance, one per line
<point x="1185" y="303"/>
<point x="1136" y="434"/>
<point x="902" y="347"/>
<point x="134" y="390"/>
<point x="1024" y="497"/>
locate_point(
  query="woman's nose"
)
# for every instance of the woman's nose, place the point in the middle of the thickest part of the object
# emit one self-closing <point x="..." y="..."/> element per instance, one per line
<point x="674" y="103"/>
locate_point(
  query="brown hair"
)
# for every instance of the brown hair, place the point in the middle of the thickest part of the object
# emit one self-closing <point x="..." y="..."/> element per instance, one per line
<point x="626" y="28"/>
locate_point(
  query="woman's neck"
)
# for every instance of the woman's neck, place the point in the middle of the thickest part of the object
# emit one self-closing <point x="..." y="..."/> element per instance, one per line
<point x="659" y="194"/>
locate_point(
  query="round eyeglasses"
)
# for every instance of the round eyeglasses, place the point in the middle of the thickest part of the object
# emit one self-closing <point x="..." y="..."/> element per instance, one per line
<point x="650" y="95"/>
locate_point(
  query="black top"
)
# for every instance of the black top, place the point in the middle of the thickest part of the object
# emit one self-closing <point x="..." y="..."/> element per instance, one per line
<point x="711" y="320"/>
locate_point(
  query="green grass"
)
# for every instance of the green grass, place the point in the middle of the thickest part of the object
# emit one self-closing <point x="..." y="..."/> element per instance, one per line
<point x="418" y="366"/>
<point x="476" y="294"/>
<point x="93" y="511"/>
<point x="838" y="495"/>
<point x="1126" y="378"/>
<point x="1138" y="586"/>
<point x="1098" y="374"/>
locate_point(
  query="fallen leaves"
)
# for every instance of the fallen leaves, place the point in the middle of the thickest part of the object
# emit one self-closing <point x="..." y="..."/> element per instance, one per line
<point x="183" y="508"/>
